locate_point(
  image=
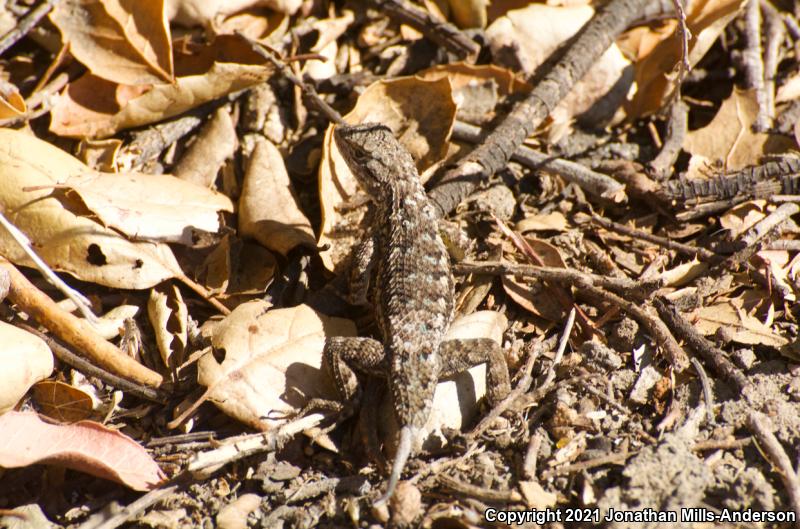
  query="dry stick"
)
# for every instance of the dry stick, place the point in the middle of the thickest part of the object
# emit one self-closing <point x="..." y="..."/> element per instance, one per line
<point x="562" y="346"/>
<point x="309" y="91"/>
<point x="757" y="423"/>
<point x="493" y="154"/>
<point x="768" y="227"/>
<point x="74" y="331"/>
<point x="522" y="387"/>
<point x="677" y="126"/>
<point x="712" y="355"/>
<point x="482" y="493"/>
<point x="753" y="65"/>
<point x="587" y="465"/>
<point x="532" y="455"/>
<point x="672" y="350"/>
<point x="775" y="34"/>
<point x="669" y="244"/>
<point x="708" y="395"/>
<point x="26" y="24"/>
<point x="88" y="369"/>
<point x="724" y="444"/>
<point x="590" y="181"/>
<point x="576" y="278"/>
<point x="132" y="510"/>
<point x="442" y="33"/>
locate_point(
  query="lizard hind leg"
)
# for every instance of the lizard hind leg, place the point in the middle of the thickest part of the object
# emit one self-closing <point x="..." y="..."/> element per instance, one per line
<point x="462" y="354"/>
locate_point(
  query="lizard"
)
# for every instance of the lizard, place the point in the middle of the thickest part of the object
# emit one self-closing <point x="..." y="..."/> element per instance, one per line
<point x="406" y="266"/>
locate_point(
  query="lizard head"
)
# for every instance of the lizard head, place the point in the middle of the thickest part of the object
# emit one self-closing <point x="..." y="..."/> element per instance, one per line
<point x="374" y="156"/>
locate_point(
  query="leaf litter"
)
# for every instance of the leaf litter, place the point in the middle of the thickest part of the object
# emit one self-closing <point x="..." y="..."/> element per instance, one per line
<point x="261" y="219"/>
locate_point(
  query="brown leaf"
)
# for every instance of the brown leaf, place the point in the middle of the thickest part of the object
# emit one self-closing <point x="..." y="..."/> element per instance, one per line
<point x="169" y="317"/>
<point x="12" y="104"/>
<point x="62" y="402"/>
<point x="657" y="51"/>
<point x="96" y="108"/>
<point x="271" y="361"/>
<point x="24" y="360"/>
<point x="67" y="241"/>
<point x="730" y="138"/>
<point x="85" y="446"/>
<point x="205" y="12"/>
<point x="123" y="41"/>
<point x="269" y="210"/>
<point x="158" y="208"/>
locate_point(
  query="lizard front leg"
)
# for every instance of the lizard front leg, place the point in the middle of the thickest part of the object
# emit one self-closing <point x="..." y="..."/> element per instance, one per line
<point x="459" y="355"/>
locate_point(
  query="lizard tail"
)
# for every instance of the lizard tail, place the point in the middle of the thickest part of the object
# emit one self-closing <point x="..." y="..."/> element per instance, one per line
<point x="400" y="457"/>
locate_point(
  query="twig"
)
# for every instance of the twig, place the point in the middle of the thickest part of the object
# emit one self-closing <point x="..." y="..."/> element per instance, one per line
<point x="83" y="304"/>
<point x="621" y="285"/>
<point x="713" y="356"/>
<point x="677" y="127"/>
<point x="74" y="331"/>
<point x="776" y="32"/>
<point x="442" y="33"/>
<point x="522" y="387"/>
<point x="757" y="423"/>
<point x="586" y="465"/>
<point x="767" y="228"/>
<point x="493" y="154"/>
<point x="132" y="510"/>
<point x="308" y="90"/>
<point x="590" y="181"/>
<point x="88" y="369"/>
<point x="26" y="24"/>
<point x="532" y="455"/>
<point x="724" y="444"/>
<point x="661" y="241"/>
<point x="483" y="493"/>
<point x="562" y="345"/>
<point x="753" y="65"/>
<point x="684" y="35"/>
<point x="672" y="350"/>
<point x="708" y="395"/>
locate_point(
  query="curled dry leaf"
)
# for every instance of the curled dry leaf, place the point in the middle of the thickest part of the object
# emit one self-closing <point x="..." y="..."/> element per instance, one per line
<point x="729" y="137"/>
<point x="94" y="107"/>
<point x="421" y="114"/>
<point x="24" y="360"/>
<point x="237" y="268"/>
<point x="205" y="12"/>
<point x="215" y="143"/>
<point x="123" y="41"/>
<point x="66" y="241"/>
<point x="525" y="38"/>
<point x="269" y="210"/>
<point x="86" y="446"/>
<point x="62" y="402"/>
<point x="170" y="320"/>
<point x="455" y="401"/>
<point x="469" y="13"/>
<point x="271" y="361"/>
<point x="109" y="324"/>
<point x="536" y="296"/>
<point x="159" y="208"/>
<point x="12" y="104"/>
<point x="657" y="51"/>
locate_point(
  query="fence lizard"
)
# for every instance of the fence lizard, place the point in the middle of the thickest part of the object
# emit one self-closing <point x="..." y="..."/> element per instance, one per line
<point x="411" y="289"/>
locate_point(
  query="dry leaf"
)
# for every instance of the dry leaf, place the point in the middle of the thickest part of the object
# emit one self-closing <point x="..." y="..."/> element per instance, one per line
<point x="269" y="210"/>
<point x="553" y="221"/>
<point x="270" y="362"/>
<point x="85" y="446"/>
<point x="657" y="51"/>
<point x="743" y="328"/>
<point x="158" y="208"/>
<point x="204" y="12"/>
<point x="729" y="137"/>
<point x="170" y="320"/>
<point x="525" y="38"/>
<point x="94" y="107"/>
<point x="62" y="402"/>
<point x="469" y="13"/>
<point x="12" y="104"/>
<point x="215" y="144"/>
<point x="24" y="360"/>
<point x="535" y="296"/>
<point x="237" y="268"/>
<point x="421" y="114"/>
<point x="123" y="41"/>
<point x="742" y="217"/>
<point x="109" y="324"/>
<point x="66" y="241"/>
<point x="234" y="515"/>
